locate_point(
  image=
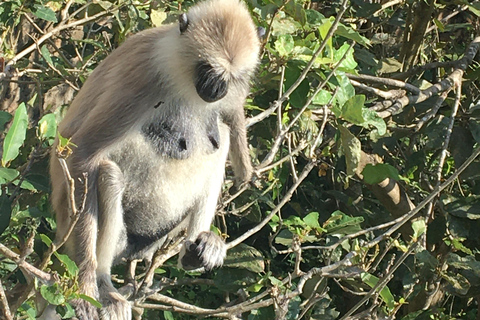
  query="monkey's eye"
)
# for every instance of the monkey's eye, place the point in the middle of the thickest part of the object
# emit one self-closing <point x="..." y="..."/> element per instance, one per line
<point x="210" y="85"/>
<point x="261" y="32"/>
<point x="183" y="22"/>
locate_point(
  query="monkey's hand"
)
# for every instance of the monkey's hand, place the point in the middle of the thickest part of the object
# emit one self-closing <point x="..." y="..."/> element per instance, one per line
<point x="243" y="174"/>
<point x="209" y="251"/>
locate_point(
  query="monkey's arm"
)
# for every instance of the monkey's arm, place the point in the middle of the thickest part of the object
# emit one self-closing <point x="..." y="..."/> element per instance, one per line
<point x="239" y="152"/>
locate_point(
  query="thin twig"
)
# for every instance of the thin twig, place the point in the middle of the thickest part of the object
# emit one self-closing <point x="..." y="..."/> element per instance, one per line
<point x="4" y="308"/>
<point x="286" y="198"/>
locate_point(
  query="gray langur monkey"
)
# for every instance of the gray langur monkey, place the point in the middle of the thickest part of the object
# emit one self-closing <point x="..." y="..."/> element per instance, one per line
<point x="152" y="128"/>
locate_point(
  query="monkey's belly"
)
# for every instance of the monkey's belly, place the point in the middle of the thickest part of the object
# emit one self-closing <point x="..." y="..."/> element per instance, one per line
<point x="161" y="192"/>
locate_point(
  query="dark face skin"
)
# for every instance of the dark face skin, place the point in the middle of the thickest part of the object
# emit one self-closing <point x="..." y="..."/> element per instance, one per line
<point x="210" y="86"/>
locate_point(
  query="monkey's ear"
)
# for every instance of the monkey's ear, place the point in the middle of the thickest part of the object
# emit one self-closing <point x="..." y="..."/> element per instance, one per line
<point x="183" y="22"/>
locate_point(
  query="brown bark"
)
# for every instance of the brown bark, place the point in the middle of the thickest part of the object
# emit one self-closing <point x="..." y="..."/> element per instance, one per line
<point x="415" y="34"/>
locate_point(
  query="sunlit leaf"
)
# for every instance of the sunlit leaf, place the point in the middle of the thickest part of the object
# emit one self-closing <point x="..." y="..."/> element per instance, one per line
<point x="351" y="148"/>
<point x="15" y="135"/>
<point x="385" y="293"/>
<point x="376" y="173"/>
<point x="52" y="294"/>
<point x="44" y="13"/>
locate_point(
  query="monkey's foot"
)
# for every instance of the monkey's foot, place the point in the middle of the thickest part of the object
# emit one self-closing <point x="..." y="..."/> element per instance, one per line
<point x="84" y="310"/>
<point x="209" y="251"/>
<point x="115" y="307"/>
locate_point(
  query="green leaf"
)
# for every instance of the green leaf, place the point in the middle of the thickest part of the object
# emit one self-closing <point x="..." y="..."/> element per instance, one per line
<point x="284" y="237"/>
<point x="66" y="311"/>
<point x="246" y="257"/>
<point x="351" y="148"/>
<point x="474" y="8"/>
<point x="385" y="294"/>
<point x="158" y="17"/>
<point x="465" y="263"/>
<point x="15" y="136"/>
<point x="168" y="315"/>
<point x="311" y="220"/>
<point x="324" y="28"/>
<point x="90" y="299"/>
<point x="45" y="239"/>
<point x="373" y="174"/>
<point x="47" y="127"/>
<point x="4" y="118"/>
<point x="5" y="212"/>
<point x="344" y="87"/>
<point x="460" y="284"/>
<point x="44" y="13"/>
<point x="8" y="175"/>
<point x="284" y="45"/>
<point x="314" y="18"/>
<point x="322" y="98"/>
<point x="296" y="11"/>
<point x="349" y="61"/>
<point x="439" y="25"/>
<point x="46" y="55"/>
<point x="352" y="109"/>
<point x="340" y="223"/>
<point x="372" y="118"/>
<point x="351" y="34"/>
<point x="52" y="294"/>
<point x="69" y="264"/>
<point x="232" y="279"/>
<point x="419" y="228"/>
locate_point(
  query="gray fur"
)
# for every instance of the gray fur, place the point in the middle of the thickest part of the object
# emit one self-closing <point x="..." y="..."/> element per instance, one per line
<point x="154" y="142"/>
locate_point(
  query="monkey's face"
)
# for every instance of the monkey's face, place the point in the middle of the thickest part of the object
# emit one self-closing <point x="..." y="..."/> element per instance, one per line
<point x="210" y="85"/>
<point x="222" y="44"/>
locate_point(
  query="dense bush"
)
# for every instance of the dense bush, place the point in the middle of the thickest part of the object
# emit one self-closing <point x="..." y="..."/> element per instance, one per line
<point x="360" y="119"/>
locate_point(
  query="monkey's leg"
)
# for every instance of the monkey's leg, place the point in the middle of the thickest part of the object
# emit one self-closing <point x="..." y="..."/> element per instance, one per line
<point x="110" y="192"/>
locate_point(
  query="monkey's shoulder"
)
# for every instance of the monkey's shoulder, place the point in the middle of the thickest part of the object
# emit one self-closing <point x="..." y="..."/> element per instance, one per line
<point x="179" y="135"/>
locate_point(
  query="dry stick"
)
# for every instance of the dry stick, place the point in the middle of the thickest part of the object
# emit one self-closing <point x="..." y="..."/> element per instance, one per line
<point x="294" y="152"/>
<point x="381" y="93"/>
<point x="54" y="31"/>
<point x="441" y="86"/>
<point x="250" y="304"/>
<point x="322" y="126"/>
<point x="281" y="135"/>
<point x="286" y="198"/>
<point x="443" y="154"/>
<point x="74" y="211"/>
<point x="430" y="114"/>
<point x="4" y="308"/>
<point x="27" y="267"/>
<point x="389" y="4"/>
<point x="446" y="142"/>
<point x="159" y="259"/>
<point x="427" y="66"/>
<point x="275" y="105"/>
<point x="384" y="81"/>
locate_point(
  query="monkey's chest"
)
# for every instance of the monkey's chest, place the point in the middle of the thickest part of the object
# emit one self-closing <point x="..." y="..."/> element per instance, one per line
<point x="178" y="136"/>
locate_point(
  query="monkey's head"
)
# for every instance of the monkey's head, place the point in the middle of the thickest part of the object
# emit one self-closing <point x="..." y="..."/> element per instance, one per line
<point x="222" y="44"/>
